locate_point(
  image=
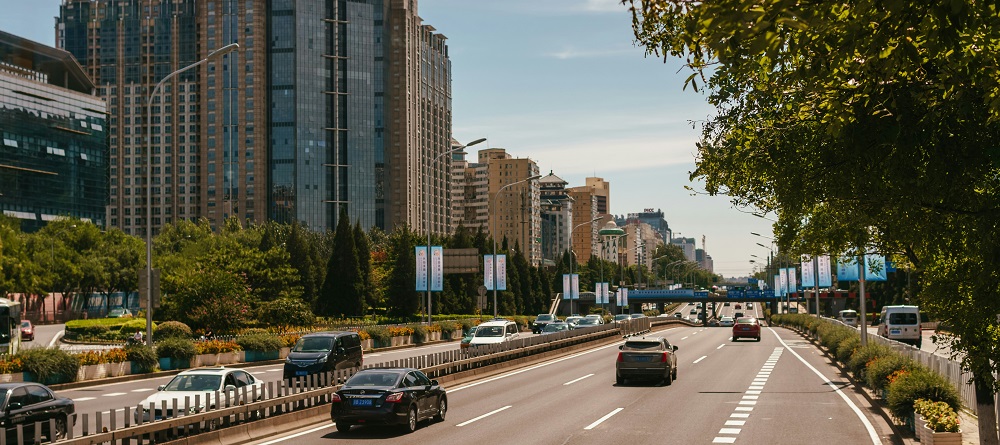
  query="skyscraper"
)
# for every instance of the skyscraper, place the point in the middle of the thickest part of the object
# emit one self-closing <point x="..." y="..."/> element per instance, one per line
<point x="326" y="105"/>
<point x="516" y="213"/>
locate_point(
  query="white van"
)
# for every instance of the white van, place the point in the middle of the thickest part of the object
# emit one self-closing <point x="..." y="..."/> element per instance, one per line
<point x="901" y="323"/>
<point x="848" y="317"/>
<point x="495" y="332"/>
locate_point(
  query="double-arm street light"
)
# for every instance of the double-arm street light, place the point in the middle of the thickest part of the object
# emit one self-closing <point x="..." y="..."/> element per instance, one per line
<point x="572" y="258"/>
<point x="427" y="206"/>
<point x="149" y="181"/>
<point x="495" y="197"/>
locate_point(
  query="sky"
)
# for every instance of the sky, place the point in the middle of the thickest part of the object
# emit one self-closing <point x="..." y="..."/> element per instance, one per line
<point x="564" y="83"/>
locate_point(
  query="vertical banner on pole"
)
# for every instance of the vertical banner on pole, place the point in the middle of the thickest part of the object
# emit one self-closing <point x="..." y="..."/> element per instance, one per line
<point x="501" y="272"/>
<point x="777" y="285"/>
<point x="575" y="285"/>
<point x="793" y="286"/>
<point x="488" y="271"/>
<point x="824" y="275"/>
<point x="421" y="252"/>
<point x="605" y="296"/>
<point x="847" y="269"/>
<point x="875" y="268"/>
<point x="783" y="281"/>
<point x="807" y="272"/>
<point x="597" y="293"/>
<point x="624" y="292"/>
<point x="567" y="288"/>
<point x="437" y="268"/>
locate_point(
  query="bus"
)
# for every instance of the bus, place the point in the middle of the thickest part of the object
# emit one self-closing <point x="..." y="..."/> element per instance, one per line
<point x="10" y="326"/>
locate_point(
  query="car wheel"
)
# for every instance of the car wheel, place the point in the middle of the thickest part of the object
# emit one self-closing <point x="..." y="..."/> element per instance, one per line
<point x="675" y="373"/>
<point x="344" y="427"/>
<point x="60" y="431"/>
<point x="668" y="379"/>
<point x="442" y="410"/>
<point x="411" y="420"/>
<point x="758" y="338"/>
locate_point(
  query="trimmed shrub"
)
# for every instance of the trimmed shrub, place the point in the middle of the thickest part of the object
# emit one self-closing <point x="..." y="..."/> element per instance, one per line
<point x="143" y="357"/>
<point x="176" y="348"/>
<point x="858" y="363"/>
<point x="216" y="347"/>
<point x="259" y="342"/>
<point x="845" y="350"/>
<point x="172" y="329"/>
<point x="919" y="383"/>
<point x="380" y="334"/>
<point x="419" y="333"/>
<point x="50" y="365"/>
<point x="286" y="312"/>
<point x="135" y="324"/>
<point x="448" y="328"/>
<point x="878" y="371"/>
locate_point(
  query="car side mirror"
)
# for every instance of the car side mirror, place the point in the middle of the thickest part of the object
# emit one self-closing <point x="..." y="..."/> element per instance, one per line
<point x="620" y="347"/>
<point x="230" y="388"/>
<point x="675" y="347"/>
<point x="161" y="387"/>
<point x="435" y="383"/>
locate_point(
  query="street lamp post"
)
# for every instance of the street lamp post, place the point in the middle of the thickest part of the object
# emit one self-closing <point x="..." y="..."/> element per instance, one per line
<point x="495" y="197"/>
<point x="572" y="257"/>
<point x="427" y="207"/>
<point x="149" y="182"/>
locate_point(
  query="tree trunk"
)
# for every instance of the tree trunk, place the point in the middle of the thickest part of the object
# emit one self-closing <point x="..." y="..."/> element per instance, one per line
<point x="986" y="409"/>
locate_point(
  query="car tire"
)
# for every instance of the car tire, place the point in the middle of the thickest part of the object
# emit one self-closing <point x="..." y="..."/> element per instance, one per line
<point x="60" y="432"/>
<point x="758" y="338"/>
<point x="411" y="420"/>
<point x="668" y="379"/>
<point x="675" y="373"/>
<point x="619" y="380"/>
<point x="442" y="410"/>
<point x="344" y="427"/>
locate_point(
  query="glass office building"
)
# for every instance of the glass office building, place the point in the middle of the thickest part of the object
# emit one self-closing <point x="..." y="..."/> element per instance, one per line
<point x="54" y="146"/>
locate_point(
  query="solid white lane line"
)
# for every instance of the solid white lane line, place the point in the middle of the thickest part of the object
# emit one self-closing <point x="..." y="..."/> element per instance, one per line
<point x="142" y="390"/>
<point x="56" y="338"/>
<point x="700" y="359"/>
<point x="84" y="399"/>
<point x="483" y="416"/>
<point x="606" y="417"/>
<point x="864" y="420"/>
<point x="576" y="380"/>
<point x="113" y="394"/>
<point x="720" y="346"/>
<point x="301" y="433"/>
<point x="531" y="368"/>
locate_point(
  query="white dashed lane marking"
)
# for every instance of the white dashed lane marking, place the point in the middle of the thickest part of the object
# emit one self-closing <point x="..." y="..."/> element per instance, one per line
<point x="113" y="394"/>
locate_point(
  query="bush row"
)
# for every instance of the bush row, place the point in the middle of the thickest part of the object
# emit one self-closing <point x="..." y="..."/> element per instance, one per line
<point x="901" y="380"/>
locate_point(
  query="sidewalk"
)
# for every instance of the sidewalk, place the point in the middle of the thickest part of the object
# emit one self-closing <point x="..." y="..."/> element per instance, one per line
<point x="970" y="427"/>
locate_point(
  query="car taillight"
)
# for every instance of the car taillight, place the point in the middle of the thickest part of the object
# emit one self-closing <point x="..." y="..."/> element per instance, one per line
<point x="620" y="357"/>
<point x="663" y="359"/>
<point x="394" y="397"/>
<point x="335" y="398"/>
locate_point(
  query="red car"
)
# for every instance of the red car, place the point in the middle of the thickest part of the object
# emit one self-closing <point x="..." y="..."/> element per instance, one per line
<point x="27" y="331"/>
<point x="746" y="327"/>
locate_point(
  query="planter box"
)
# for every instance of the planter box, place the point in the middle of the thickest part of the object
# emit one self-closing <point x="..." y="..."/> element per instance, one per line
<point x="283" y="353"/>
<point x="119" y="369"/>
<point x="933" y="438"/>
<point x="15" y="377"/>
<point x="433" y="336"/>
<point x="168" y="363"/>
<point x="257" y="356"/>
<point x="92" y="372"/>
<point x="367" y="344"/>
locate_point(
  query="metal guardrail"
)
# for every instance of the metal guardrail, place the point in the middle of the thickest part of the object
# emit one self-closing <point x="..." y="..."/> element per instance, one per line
<point x="276" y="398"/>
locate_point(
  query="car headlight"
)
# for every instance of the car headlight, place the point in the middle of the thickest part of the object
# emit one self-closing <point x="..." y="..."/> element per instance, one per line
<point x="196" y="409"/>
<point x="322" y="359"/>
<point x="288" y="359"/>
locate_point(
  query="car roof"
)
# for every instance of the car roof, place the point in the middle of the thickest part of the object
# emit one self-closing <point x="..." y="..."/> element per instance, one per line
<point x="217" y="370"/>
<point x="395" y="370"/>
<point x="12" y="385"/>
<point x="496" y="323"/>
<point x="329" y="334"/>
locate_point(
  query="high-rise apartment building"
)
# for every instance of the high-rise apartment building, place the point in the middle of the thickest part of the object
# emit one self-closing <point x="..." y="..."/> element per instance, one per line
<point x="470" y="192"/>
<point x="325" y="105"/>
<point x="208" y="125"/>
<point x="53" y="137"/>
<point x="602" y="191"/>
<point x="557" y="217"/>
<point x="585" y="240"/>
<point x="516" y="212"/>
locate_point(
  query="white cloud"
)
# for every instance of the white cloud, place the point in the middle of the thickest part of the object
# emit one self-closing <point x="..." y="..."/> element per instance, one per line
<point x="573" y="53"/>
<point x="604" y="6"/>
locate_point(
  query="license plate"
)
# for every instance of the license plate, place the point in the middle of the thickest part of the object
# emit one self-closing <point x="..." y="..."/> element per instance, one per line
<point x="745" y="328"/>
<point x="298" y="373"/>
<point x="641" y="359"/>
<point x="895" y="331"/>
<point x="361" y="402"/>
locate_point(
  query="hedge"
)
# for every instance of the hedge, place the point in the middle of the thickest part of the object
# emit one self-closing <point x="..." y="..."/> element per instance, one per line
<point x="260" y="342"/>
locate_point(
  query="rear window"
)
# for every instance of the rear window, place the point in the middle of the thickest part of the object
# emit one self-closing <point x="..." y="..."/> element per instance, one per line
<point x="903" y="318"/>
<point x="642" y="345"/>
<point x="746" y="320"/>
<point x="544" y="317"/>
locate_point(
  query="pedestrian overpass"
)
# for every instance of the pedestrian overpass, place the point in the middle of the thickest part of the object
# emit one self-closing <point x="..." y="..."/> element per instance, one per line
<point x="661" y="297"/>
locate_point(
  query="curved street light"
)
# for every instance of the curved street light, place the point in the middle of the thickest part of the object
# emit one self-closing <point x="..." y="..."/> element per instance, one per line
<point x="572" y="257"/>
<point x="427" y="207"/>
<point x="495" y="197"/>
<point x="149" y="182"/>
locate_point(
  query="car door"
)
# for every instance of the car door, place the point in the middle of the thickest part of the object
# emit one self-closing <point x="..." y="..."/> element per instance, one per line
<point x="418" y="393"/>
<point x="42" y="406"/>
<point x="19" y="412"/>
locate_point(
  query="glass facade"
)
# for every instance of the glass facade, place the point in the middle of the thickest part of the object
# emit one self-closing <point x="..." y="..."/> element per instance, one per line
<point x="53" y="140"/>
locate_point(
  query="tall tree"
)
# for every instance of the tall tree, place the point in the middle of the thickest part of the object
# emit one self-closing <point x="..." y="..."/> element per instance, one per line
<point x="402" y="295"/>
<point x="364" y="265"/>
<point x="866" y="126"/>
<point x="342" y="289"/>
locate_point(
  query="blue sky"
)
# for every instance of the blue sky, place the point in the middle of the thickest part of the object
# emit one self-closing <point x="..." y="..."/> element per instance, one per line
<point x="562" y="82"/>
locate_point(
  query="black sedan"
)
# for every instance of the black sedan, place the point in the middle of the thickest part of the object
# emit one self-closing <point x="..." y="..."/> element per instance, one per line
<point x="388" y="396"/>
<point x="26" y="403"/>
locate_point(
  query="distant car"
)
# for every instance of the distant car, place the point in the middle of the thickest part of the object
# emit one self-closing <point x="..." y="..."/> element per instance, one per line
<point x="678" y="315"/>
<point x="201" y="382"/>
<point x="698" y="305"/>
<point x="738" y="315"/>
<point x="693" y="311"/>
<point x="749" y="306"/>
<point x="540" y="321"/>
<point x="558" y="326"/>
<point x="25" y="403"/>
<point x="588" y="322"/>
<point x="27" y="330"/>
<point x="495" y="332"/>
<point x="726" y="321"/>
<point x="713" y="323"/>
<point x="388" y="396"/>
<point x="638" y="315"/>
<point x="573" y="320"/>
<point x="738" y="306"/>
<point x="622" y="317"/>
<point x="120" y="312"/>
<point x="468" y="337"/>
<point x="598" y="317"/>
<point x="746" y="327"/>
<point x="725" y="304"/>
<point x="651" y="357"/>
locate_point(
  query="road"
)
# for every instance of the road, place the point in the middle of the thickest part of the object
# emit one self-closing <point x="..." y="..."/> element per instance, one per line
<point x="780" y="390"/>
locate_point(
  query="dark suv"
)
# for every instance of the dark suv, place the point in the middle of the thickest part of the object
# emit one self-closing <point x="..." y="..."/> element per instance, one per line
<point x="322" y="352"/>
<point x="540" y="321"/>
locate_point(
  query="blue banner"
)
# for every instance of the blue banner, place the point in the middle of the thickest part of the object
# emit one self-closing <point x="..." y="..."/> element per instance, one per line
<point x="488" y="279"/>
<point x="501" y="272"/>
<point x="752" y="281"/>
<point x="421" y="252"/>
<point x="701" y="294"/>
<point x="437" y="268"/>
<point x="847" y="269"/>
<point x="875" y="270"/>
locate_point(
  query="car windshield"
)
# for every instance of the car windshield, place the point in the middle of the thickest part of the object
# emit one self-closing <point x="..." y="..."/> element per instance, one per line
<point x="25" y="324"/>
<point x="373" y="379"/>
<point x="587" y="321"/>
<point x="490" y="331"/>
<point x="621" y="317"/>
<point x="573" y="319"/>
<point x="314" y="344"/>
<point x="194" y="382"/>
<point x="903" y="318"/>
<point x="641" y="345"/>
<point x="727" y="319"/>
<point x="544" y="317"/>
<point x="745" y="320"/>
